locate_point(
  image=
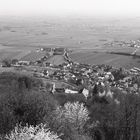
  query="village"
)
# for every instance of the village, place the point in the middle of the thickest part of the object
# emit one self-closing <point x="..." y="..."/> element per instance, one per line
<point x="56" y="69"/>
<point x="73" y="77"/>
<point x="129" y="43"/>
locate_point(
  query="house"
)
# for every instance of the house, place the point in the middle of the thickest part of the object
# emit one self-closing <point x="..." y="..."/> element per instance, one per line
<point x="101" y="94"/>
<point x="85" y="92"/>
<point x="61" y="90"/>
<point x="23" y="62"/>
<point x="58" y="51"/>
<point x="70" y="91"/>
<point x="41" y="49"/>
<point x="117" y="101"/>
<point x="46" y="73"/>
<point x="109" y="94"/>
<point x="48" y="49"/>
<point x="135" y="68"/>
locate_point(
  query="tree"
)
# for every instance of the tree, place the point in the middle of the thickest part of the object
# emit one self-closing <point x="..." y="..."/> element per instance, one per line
<point x="74" y="113"/>
<point x="30" y="105"/>
<point x="29" y="132"/>
<point x="71" y="120"/>
<point x="14" y="61"/>
<point x="6" y="63"/>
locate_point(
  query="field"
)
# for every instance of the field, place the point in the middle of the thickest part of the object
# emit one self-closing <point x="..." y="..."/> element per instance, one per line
<point x="56" y="60"/>
<point x="116" y="60"/>
<point x="33" y="56"/>
<point x="117" y="57"/>
<point x="20" y="36"/>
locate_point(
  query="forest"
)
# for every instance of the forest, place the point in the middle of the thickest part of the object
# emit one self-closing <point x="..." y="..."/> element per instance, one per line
<point x="29" y="111"/>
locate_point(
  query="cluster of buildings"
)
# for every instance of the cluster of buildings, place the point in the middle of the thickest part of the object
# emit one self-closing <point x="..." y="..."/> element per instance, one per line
<point x="135" y="44"/>
<point x="54" y="51"/>
<point x="118" y="43"/>
<point x="38" y="57"/>
<point x="84" y="78"/>
<point x="130" y="43"/>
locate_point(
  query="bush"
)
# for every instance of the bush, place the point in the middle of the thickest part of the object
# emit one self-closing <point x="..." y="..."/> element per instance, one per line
<point x="39" y="132"/>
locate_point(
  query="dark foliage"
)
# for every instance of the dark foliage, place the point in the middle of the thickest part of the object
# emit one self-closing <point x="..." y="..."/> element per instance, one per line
<point x="18" y="81"/>
<point x="27" y="105"/>
<point x="6" y="63"/>
<point x="63" y="98"/>
<point x="116" y="121"/>
<point x="119" y="74"/>
<point x="23" y="101"/>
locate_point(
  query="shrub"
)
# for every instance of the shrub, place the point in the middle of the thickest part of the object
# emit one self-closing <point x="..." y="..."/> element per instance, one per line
<point x="39" y="132"/>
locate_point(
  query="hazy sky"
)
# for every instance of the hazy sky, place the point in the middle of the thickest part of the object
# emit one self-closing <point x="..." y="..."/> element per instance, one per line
<point x="75" y="7"/>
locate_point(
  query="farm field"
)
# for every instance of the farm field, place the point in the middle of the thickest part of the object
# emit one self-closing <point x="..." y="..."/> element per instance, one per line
<point x="66" y="32"/>
<point x="118" y="58"/>
<point x="33" y="56"/>
<point x="20" y="36"/>
<point x="56" y="60"/>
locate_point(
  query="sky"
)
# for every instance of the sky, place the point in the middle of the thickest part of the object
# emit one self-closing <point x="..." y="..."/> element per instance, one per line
<point x="73" y="7"/>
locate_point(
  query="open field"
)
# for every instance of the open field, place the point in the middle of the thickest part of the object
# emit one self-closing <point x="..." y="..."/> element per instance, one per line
<point x="56" y="60"/>
<point x="71" y="33"/>
<point x="19" y="36"/>
<point x="33" y="56"/>
<point x="116" y="58"/>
